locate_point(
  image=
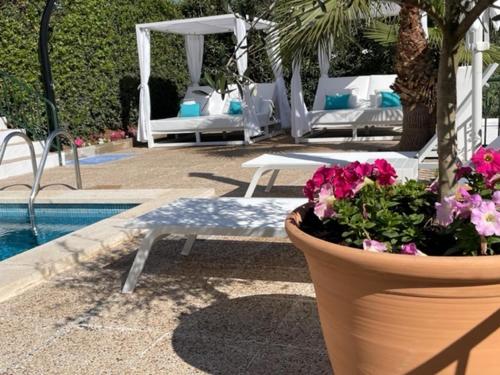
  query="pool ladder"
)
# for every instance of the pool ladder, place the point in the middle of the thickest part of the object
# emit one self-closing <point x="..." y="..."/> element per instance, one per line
<point x="20" y="134"/>
<point x="38" y="172"/>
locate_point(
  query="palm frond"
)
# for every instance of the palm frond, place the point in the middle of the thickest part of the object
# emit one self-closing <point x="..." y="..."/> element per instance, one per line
<point x="383" y="33"/>
<point x="303" y="25"/>
<point x="386" y="34"/>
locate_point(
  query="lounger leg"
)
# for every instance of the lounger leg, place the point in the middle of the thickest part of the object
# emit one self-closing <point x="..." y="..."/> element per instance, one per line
<point x="188" y="245"/>
<point x="354" y="133"/>
<point x="253" y="184"/>
<point x="272" y="180"/>
<point x="151" y="141"/>
<point x="140" y="260"/>
<point x="198" y="137"/>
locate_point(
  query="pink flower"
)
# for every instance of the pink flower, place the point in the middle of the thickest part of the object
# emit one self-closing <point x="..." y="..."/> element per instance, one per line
<point x="374" y="246"/>
<point x="79" y="142"/>
<point x="445" y="211"/>
<point x="492" y="180"/>
<point x="410" y="249"/>
<point x="486" y="219"/>
<point x="486" y="161"/>
<point x="496" y="198"/>
<point x="324" y="207"/>
<point x="385" y="173"/>
<point x="433" y="187"/>
<point x="464" y="202"/>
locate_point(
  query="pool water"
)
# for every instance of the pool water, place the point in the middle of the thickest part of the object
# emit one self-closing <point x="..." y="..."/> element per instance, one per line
<point x="53" y="221"/>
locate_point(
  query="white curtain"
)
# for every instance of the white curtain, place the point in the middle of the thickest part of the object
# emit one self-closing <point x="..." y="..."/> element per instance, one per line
<point x="249" y="113"/>
<point x="144" y="49"/>
<point x="280" y="93"/>
<point x="423" y="20"/>
<point x="300" y="122"/>
<point x="240" y="30"/>
<point x="324" y="51"/>
<point x="194" y="54"/>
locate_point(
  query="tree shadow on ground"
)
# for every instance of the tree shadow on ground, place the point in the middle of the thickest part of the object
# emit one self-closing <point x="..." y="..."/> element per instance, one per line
<point x="285" y="143"/>
<point x="258" y="334"/>
<point x="242" y="186"/>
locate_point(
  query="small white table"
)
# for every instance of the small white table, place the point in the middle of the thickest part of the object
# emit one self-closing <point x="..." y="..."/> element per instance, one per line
<point x="245" y="217"/>
<point x="405" y="163"/>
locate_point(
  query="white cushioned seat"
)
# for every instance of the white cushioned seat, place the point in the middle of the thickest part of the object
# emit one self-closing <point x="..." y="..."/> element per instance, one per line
<point x="358" y="116"/>
<point x="365" y="113"/>
<point x="193" y="124"/>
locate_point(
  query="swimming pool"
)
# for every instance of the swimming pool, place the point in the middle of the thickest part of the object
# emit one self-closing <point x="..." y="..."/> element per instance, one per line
<point x="53" y="221"/>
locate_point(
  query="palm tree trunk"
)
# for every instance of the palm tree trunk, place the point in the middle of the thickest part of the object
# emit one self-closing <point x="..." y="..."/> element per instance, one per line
<point x="446" y="113"/>
<point x="416" y="80"/>
<point x="418" y="127"/>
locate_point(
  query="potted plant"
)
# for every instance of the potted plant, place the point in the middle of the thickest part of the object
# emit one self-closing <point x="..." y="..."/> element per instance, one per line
<point x="404" y="283"/>
<point x="407" y="276"/>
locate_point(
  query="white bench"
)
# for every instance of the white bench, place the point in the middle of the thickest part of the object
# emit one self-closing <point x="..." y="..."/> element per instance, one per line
<point x="405" y="163"/>
<point x="255" y="217"/>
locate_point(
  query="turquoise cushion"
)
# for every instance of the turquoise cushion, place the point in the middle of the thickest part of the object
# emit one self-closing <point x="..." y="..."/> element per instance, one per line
<point x="337" y="101"/>
<point x="190" y="110"/>
<point x="235" y="107"/>
<point x="390" y="99"/>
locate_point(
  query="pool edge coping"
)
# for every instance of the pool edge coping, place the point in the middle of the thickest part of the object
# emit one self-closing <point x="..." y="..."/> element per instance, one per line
<point x="39" y="264"/>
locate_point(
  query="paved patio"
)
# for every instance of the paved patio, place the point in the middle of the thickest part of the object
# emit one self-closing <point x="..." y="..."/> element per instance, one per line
<point x="234" y="306"/>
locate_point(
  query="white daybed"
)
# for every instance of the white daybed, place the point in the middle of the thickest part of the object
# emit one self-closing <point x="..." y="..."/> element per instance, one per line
<point x="257" y="114"/>
<point x="363" y="112"/>
<point x="215" y="119"/>
<point x="367" y="111"/>
<point x="406" y="163"/>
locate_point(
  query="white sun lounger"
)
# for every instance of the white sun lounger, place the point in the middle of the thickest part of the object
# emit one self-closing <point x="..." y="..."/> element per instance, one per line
<point x="255" y="217"/>
<point x="405" y="163"/>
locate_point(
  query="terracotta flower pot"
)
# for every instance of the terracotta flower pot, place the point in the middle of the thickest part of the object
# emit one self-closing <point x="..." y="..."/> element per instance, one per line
<point x="402" y="314"/>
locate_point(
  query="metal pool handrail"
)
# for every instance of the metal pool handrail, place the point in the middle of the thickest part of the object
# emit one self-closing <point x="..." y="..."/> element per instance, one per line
<point x="36" y="184"/>
<point x="6" y="140"/>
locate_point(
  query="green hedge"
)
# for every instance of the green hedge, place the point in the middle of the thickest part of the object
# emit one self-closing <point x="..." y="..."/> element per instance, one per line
<point x="95" y="65"/>
<point x="94" y="59"/>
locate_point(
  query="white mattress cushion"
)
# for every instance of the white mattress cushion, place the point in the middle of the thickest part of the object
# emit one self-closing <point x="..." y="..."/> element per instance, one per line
<point x="366" y="116"/>
<point x="192" y="124"/>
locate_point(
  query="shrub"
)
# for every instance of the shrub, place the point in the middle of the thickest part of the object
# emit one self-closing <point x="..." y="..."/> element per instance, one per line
<point x="94" y="59"/>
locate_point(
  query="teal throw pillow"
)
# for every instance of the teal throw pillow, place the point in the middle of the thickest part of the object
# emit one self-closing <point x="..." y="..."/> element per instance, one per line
<point x="389" y="99"/>
<point x="337" y="101"/>
<point x="190" y="110"/>
<point x="235" y="107"/>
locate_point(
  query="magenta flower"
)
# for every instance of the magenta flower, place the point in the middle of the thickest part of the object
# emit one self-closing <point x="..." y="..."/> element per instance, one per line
<point x="374" y="246"/>
<point x="324" y="207"/>
<point x="486" y="219"/>
<point x="363" y="169"/>
<point x="385" y="173"/>
<point x="486" y="161"/>
<point x="79" y="142"/>
<point x="309" y="190"/>
<point x="462" y="172"/>
<point x="410" y="249"/>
